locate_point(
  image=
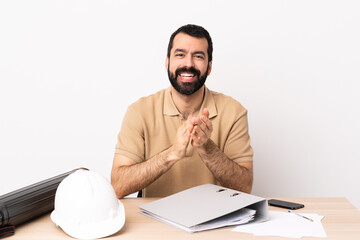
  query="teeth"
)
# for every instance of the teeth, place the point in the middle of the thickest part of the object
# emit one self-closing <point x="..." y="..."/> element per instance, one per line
<point x="186" y="75"/>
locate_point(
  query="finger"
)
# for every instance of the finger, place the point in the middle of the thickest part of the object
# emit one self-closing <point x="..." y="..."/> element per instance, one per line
<point x="184" y="134"/>
<point x="205" y="118"/>
<point x="189" y="127"/>
<point x="200" y="134"/>
<point x="194" y="120"/>
<point x="206" y="112"/>
<point x="204" y="125"/>
<point x="201" y="127"/>
<point x="207" y="124"/>
<point x="195" y="139"/>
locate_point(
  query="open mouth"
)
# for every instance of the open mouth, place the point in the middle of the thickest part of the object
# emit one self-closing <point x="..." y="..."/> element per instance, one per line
<point x="187" y="77"/>
<point x="187" y="74"/>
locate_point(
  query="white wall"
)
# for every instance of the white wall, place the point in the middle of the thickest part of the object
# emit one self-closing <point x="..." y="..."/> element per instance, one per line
<point x="69" y="69"/>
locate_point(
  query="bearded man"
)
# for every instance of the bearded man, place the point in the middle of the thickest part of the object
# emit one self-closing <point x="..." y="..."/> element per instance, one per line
<point x="185" y="135"/>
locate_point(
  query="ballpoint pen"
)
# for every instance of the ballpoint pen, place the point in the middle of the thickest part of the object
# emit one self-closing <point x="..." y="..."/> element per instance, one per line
<point x="301" y="216"/>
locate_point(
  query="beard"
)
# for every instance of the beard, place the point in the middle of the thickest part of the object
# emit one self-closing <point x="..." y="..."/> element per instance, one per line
<point x="187" y="88"/>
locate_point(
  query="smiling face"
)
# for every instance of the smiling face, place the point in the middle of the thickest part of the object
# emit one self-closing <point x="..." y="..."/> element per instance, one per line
<point x="188" y="65"/>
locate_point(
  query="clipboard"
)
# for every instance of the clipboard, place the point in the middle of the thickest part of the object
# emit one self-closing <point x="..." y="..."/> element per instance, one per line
<point x="207" y="207"/>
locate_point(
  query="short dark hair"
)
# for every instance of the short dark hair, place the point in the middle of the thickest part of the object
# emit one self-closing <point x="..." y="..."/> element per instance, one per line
<point x="194" y="31"/>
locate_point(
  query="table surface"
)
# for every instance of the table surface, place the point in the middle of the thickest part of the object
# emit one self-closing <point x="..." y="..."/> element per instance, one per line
<point x="341" y="221"/>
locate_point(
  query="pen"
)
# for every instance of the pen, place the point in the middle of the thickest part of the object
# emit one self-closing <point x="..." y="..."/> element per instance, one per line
<point x="301" y="216"/>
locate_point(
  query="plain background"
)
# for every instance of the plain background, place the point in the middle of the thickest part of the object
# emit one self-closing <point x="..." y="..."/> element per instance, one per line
<point x="69" y="69"/>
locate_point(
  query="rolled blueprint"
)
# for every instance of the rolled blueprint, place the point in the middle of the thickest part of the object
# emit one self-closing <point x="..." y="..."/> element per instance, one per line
<point x="27" y="203"/>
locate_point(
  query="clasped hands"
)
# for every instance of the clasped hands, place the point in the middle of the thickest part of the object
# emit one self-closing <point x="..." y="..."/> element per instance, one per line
<point x="196" y="131"/>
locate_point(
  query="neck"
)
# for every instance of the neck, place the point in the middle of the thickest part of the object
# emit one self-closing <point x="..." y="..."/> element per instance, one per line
<point x="188" y="105"/>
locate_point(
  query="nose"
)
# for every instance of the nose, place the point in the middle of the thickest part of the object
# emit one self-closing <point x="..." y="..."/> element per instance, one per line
<point x="189" y="61"/>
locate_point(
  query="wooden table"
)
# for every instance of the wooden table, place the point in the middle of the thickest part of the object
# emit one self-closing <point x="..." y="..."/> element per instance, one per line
<point x="341" y="221"/>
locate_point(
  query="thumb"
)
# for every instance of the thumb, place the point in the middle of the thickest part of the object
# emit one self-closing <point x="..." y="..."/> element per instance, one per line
<point x="206" y="112"/>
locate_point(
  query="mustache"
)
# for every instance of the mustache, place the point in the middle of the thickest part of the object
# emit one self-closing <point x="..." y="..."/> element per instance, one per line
<point x="189" y="70"/>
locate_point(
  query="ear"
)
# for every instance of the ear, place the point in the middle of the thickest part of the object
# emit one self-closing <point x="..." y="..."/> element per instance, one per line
<point x="209" y="67"/>
<point x="167" y="63"/>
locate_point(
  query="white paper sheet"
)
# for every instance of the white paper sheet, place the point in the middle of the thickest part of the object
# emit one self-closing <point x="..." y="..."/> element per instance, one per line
<point x="286" y="224"/>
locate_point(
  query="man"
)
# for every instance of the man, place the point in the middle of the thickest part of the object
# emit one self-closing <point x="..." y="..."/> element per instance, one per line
<point x="185" y="135"/>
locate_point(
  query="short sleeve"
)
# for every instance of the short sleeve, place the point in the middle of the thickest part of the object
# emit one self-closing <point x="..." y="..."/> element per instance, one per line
<point x="238" y="146"/>
<point x="130" y="140"/>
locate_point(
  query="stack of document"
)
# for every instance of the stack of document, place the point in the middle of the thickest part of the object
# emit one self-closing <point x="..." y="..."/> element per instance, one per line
<point x="287" y="224"/>
<point x="241" y="216"/>
<point x="207" y="207"/>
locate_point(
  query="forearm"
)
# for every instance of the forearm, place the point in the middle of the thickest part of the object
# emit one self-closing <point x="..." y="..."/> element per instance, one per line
<point x="227" y="172"/>
<point x="127" y="179"/>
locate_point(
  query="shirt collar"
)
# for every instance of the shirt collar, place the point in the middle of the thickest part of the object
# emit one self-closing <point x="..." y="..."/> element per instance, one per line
<point x="208" y="102"/>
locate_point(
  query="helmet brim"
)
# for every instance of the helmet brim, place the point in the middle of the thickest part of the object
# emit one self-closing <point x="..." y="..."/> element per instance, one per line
<point x="92" y="230"/>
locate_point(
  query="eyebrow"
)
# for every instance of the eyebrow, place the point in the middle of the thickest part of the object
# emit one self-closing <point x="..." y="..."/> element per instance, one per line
<point x="200" y="52"/>
<point x="183" y="50"/>
<point x="179" y="50"/>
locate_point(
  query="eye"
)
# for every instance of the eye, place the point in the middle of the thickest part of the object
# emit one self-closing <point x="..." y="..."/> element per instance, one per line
<point x="179" y="55"/>
<point x="199" y="56"/>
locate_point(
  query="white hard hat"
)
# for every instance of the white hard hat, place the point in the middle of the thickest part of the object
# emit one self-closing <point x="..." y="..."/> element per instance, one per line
<point x="86" y="206"/>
